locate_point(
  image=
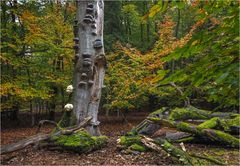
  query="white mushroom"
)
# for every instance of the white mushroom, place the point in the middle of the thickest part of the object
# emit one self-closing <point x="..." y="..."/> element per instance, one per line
<point x="68" y="107"/>
<point x="69" y="89"/>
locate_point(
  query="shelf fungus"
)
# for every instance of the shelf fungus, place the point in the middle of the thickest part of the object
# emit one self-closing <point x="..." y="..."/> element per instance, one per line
<point x="90" y="82"/>
<point x="76" y="58"/>
<point x="87" y="63"/>
<point x="90" y="5"/>
<point x="76" y="39"/>
<point x="93" y="26"/>
<point x="87" y="59"/>
<point x="88" y="19"/>
<point x="86" y="55"/>
<point x="94" y="33"/>
<point x="82" y="83"/>
<point x="97" y="44"/>
<point x="89" y="10"/>
<point x="84" y="76"/>
<point x="75" y="47"/>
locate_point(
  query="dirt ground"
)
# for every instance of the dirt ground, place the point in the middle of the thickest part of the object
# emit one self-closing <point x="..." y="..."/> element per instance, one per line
<point x="110" y="155"/>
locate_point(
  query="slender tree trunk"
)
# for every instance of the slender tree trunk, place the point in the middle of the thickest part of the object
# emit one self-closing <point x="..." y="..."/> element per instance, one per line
<point x="90" y="62"/>
<point x="176" y="35"/>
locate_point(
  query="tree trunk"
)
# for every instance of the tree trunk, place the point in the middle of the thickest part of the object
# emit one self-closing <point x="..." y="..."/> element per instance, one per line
<point x="90" y="62"/>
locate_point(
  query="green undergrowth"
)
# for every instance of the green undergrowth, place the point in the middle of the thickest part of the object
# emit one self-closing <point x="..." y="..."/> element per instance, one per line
<point x="80" y="142"/>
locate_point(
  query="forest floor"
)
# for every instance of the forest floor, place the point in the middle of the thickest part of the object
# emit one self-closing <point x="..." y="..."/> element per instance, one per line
<point x="113" y="127"/>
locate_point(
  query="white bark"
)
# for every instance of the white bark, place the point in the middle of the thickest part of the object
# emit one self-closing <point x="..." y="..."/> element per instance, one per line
<point x="90" y="61"/>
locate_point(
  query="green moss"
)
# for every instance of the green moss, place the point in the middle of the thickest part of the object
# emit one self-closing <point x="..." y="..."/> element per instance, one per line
<point x="234" y="122"/>
<point x="232" y="141"/>
<point x="217" y="123"/>
<point x="210" y="124"/>
<point x="79" y="142"/>
<point x="185" y="127"/>
<point x="187" y="139"/>
<point x="158" y="112"/>
<point x="137" y="147"/>
<point x="127" y="141"/>
<point x="154" y="119"/>
<point x="187" y="113"/>
<point x="132" y="133"/>
<point x="100" y="140"/>
<point x="163" y="122"/>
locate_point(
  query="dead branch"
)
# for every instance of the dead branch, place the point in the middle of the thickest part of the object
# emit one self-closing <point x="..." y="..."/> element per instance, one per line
<point x="41" y="137"/>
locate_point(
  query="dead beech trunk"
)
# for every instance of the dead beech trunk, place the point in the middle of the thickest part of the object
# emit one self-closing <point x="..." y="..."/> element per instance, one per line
<point x="90" y="62"/>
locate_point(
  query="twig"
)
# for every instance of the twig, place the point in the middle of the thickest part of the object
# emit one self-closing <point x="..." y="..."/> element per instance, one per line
<point x="44" y="122"/>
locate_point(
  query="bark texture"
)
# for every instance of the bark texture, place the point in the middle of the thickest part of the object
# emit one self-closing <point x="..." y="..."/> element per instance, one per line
<point x="90" y="61"/>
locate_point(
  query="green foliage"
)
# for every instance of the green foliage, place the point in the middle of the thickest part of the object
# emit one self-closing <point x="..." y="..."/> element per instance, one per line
<point x="191" y="43"/>
<point x="211" y="55"/>
<point x="124" y="90"/>
<point x="36" y="59"/>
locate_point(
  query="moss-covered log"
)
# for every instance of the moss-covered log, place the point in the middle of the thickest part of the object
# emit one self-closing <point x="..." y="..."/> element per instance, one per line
<point x="131" y="142"/>
<point x="71" y="138"/>
<point x="80" y="142"/>
<point x="204" y="130"/>
<point x="178" y="114"/>
<point x="161" y="145"/>
<point x="191" y="112"/>
<point x="209" y="134"/>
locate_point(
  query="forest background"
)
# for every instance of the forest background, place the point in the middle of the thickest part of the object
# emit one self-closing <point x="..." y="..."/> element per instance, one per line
<point x="148" y="44"/>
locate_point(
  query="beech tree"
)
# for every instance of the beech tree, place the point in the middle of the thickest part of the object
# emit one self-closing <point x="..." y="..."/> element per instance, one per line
<point x="90" y="62"/>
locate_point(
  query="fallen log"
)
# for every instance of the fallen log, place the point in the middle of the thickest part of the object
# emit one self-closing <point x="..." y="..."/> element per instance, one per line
<point x="24" y="143"/>
<point x="178" y="114"/>
<point x="41" y="137"/>
<point x="203" y="131"/>
<point x="160" y="145"/>
<point x="210" y="134"/>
